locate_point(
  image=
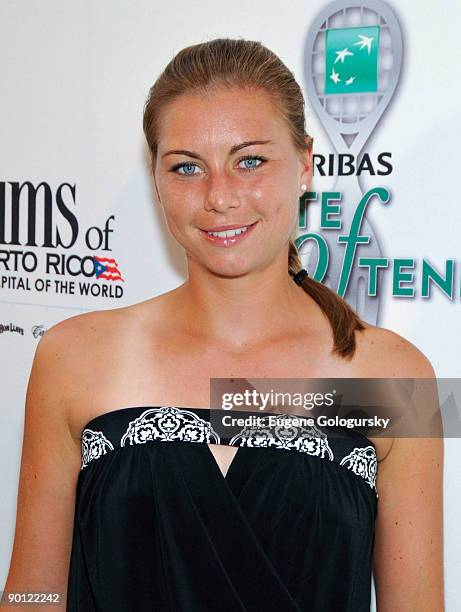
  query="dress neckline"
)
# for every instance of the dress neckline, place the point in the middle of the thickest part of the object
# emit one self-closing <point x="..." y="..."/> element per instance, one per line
<point x="101" y="416"/>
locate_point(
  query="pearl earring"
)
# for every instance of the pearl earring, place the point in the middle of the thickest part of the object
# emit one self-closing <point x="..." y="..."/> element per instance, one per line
<point x="303" y="187"/>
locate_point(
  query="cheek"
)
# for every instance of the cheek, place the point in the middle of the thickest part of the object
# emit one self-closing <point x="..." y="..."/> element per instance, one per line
<point x="267" y="194"/>
<point x="179" y="201"/>
<point x="175" y="214"/>
<point x="280" y="202"/>
<point x="279" y="185"/>
<point x="181" y="198"/>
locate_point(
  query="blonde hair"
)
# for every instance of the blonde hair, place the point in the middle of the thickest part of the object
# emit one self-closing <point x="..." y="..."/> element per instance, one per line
<point x="248" y="64"/>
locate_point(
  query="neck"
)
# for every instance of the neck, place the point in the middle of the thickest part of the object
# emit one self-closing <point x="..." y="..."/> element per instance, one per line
<point x="243" y="312"/>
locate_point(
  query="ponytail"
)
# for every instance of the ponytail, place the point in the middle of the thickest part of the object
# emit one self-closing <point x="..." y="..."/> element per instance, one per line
<point x="343" y="319"/>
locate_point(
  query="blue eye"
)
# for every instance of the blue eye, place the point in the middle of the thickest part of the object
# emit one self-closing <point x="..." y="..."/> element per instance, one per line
<point x="251" y="163"/>
<point x="187" y="166"/>
<point x="251" y="159"/>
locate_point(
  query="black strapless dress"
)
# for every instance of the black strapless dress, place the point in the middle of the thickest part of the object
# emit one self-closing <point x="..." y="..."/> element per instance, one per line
<point x="290" y="528"/>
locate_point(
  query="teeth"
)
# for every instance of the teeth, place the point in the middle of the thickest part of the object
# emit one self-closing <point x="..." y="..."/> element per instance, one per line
<point x="229" y="233"/>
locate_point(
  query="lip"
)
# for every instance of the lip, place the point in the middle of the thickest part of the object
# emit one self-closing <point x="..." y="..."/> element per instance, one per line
<point x="223" y="228"/>
<point x="228" y="242"/>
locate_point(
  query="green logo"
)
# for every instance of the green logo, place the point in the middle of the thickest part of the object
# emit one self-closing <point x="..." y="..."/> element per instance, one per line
<point x="351" y="60"/>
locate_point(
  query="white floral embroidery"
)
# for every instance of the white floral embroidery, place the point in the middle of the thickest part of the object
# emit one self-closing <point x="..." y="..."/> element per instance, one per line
<point x="362" y="461"/>
<point x="308" y="440"/>
<point x="169" y="423"/>
<point x="94" y="445"/>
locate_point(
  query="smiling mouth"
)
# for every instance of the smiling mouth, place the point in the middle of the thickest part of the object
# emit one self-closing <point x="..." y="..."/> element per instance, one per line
<point x="228" y="237"/>
<point x="230" y="233"/>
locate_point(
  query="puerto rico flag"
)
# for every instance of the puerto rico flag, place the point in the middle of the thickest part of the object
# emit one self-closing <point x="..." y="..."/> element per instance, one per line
<point x="107" y="268"/>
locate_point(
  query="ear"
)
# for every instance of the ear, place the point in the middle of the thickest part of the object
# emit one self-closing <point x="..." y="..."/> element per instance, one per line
<point x="307" y="165"/>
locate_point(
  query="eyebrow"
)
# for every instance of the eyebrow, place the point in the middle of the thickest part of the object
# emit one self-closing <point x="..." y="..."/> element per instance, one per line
<point x="232" y="150"/>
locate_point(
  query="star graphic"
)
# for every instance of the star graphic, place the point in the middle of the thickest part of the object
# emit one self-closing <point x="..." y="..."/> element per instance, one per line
<point x="341" y="55"/>
<point x="364" y="42"/>
<point x="334" y="76"/>
<point x="351" y="80"/>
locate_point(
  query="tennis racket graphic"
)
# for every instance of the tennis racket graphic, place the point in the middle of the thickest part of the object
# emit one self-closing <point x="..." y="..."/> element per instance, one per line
<point x="350" y="118"/>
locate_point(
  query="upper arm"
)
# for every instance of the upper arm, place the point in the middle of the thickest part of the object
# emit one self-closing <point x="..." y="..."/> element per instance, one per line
<point x="408" y="553"/>
<point x="50" y="464"/>
<point x="408" y="549"/>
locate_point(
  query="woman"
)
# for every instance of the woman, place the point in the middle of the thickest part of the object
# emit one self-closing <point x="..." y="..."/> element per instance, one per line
<point x="157" y="526"/>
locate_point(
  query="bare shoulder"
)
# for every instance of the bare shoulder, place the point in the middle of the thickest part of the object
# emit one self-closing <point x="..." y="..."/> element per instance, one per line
<point x="76" y="338"/>
<point x="384" y="353"/>
<point x="95" y="352"/>
<point x="77" y="349"/>
<point x="84" y="326"/>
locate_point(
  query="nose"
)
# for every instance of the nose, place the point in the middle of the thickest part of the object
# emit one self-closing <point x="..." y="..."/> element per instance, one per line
<point x="220" y="193"/>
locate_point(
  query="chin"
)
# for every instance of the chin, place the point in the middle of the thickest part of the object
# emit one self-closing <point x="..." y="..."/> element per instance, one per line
<point x="230" y="270"/>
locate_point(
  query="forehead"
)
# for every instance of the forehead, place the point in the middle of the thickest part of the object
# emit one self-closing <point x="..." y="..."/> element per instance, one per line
<point x="221" y="116"/>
